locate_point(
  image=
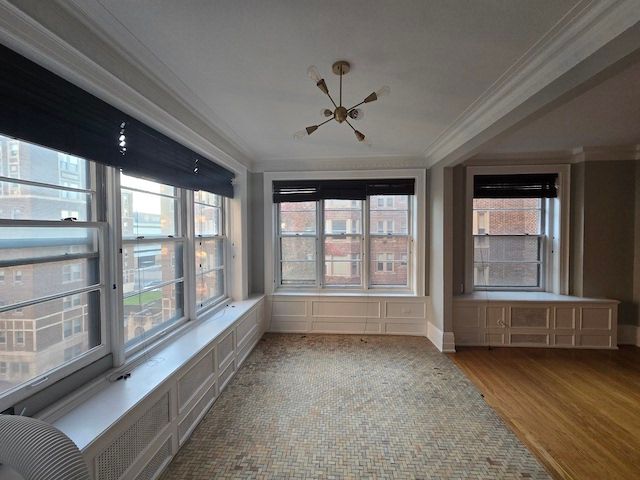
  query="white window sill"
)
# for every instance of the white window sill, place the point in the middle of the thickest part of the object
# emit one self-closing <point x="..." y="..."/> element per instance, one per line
<point x="516" y="296"/>
<point x="349" y="293"/>
<point x="113" y="401"/>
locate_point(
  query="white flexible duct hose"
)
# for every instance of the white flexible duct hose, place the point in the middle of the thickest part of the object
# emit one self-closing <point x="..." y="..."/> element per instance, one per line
<point x="39" y="451"/>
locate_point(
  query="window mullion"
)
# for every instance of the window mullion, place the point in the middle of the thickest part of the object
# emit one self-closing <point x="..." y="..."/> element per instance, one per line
<point x="366" y="248"/>
<point x="320" y="239"/>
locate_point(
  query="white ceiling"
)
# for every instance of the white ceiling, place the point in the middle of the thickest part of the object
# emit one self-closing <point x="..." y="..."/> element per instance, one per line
<point x="608" y="114"/>
<point x="243" y="63"/>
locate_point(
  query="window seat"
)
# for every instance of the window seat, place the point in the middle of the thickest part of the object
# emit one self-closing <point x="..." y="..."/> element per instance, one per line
<point x="534" y="319"/>
<point x="163" y="400"/>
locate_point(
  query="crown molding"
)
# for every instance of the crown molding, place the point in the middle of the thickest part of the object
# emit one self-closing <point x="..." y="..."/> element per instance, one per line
<point x="379" y="162"/>
<point x="576" y="155"/>
<point x="29" y="37"/>
<point x="585" y="29"/>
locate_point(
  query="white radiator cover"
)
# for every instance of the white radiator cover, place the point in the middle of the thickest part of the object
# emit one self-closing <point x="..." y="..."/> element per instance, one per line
<point x="143" y="442"/>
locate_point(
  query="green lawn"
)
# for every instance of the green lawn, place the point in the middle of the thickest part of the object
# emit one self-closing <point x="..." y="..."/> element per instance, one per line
<point x="143" y="298"/>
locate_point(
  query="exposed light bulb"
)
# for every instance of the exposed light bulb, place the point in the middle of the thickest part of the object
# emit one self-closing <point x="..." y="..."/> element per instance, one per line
<point x="299" y="135"/>
<point x="383" y="91"/>
<point x="314" y="74"/>
<point x="325" y="112"/>
<point x="356" y="114"/>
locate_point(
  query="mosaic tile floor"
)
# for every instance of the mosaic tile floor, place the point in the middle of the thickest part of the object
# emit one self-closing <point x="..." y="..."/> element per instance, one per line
<point x="330" y="406"/>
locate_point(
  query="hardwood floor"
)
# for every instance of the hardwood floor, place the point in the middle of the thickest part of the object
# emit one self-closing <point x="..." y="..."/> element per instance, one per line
<point x="577" y="410"/>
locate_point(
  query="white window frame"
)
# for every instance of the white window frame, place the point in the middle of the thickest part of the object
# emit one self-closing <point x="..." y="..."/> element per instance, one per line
<point x="212" y="303"/>
<point x="555" y="226"/>
<point x="416" y="227"/>
<point x="98" y="201"/>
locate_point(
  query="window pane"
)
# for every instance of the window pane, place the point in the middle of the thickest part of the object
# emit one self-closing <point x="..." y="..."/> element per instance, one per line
<point x="208" y="198"/>
<point x="146" y="185"/>
<point x="38" y="338"/>
<point x="30" y="282"/>
<point x="209" y="286"/>
<point x="298" y="217"/>
<point x="148" y="264"/>
<point x="342" y="260"/>
<point x="209" y="254"/>
<point x="151" y="310"/>
<point x="298" y="248"/>
<point x="507" y="249"/>
<point x="39" y="164"/>
<point x="389" y="265"/>
<point x="342" y="216"/>
<point x="507" y="274"/>
<point x="389" y="214"/>
<point x="19" y="243"/>
<point x="147" y="215"/>
<point x="298" y="273"/>
<point x="507" y="216"/>
<point x="28" y="202"/>
<point x="207" y="219"/>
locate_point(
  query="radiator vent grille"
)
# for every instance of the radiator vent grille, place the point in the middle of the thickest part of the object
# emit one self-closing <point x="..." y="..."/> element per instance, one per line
<point x="118" y="457"/>
<point x="151" y="470"/>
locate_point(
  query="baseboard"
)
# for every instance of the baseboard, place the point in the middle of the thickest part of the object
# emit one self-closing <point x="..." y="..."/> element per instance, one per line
<point x="629" y="335"/>
<point x="443" y="341"/>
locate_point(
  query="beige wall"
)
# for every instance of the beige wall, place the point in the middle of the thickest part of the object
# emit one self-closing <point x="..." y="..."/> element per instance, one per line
<point x="608" y="233"/>
<point x="256" y="233"/>
<point x="636" y="270"/>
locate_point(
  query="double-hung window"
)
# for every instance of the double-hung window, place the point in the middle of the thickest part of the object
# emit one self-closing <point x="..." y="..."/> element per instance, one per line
<point x="510" y="228"/>
<point x="152" y="257"/>
<point x="357" y="244"/>
<point x="45" y="260"/>
<point x="209" y="225"/>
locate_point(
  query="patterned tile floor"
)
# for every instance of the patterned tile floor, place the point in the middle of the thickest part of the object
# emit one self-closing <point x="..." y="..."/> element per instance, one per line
<point x="331" y="406"/>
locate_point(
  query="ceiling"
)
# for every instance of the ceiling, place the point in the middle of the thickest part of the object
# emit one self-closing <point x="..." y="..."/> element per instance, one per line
<point x="242" y="64"/>
<point x="607" y="114"/>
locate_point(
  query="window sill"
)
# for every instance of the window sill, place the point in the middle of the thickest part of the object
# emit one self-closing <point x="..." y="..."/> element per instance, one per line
<point x="113" y="400"/>
<point x="520" y="296"/>
<point x="338" y="293"/>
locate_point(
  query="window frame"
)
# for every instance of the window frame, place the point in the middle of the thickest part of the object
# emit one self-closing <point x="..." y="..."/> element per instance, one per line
<point x="95" y="179"/>
<point x="555" y="222"/>
<point x="365" y="236"/>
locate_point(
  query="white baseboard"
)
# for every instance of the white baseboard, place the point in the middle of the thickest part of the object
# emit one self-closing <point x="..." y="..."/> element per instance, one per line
<point x="443" y="341"/>
<point x="629" y="335"/>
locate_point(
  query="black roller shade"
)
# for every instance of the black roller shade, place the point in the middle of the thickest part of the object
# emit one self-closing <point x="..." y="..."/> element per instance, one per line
<point x="312" y="190"/>
<point x="529" y="185"/>
<point x="40" y="107"/>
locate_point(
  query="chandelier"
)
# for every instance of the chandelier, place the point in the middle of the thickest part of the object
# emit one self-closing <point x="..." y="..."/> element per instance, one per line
<point x="340" y="113"/>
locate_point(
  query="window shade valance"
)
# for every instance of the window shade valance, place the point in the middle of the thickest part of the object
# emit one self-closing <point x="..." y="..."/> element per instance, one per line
<point x="312" y="190"/>
<point x="535" y="185"/>
<point x="43" y="108"/>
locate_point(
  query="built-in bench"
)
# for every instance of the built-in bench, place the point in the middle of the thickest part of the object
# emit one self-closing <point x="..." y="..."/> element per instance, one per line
<point x="132" y="428"/>
<point x="534" y="319"/>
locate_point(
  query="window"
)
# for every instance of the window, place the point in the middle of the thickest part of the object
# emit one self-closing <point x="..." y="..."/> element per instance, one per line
<point x="210" y="248"/>
<point x="1" y="276"/>
<point x="508" y="242"/>
<point x="46" y="260"/>
<point x="297" y="227"/>
<point x="3" y="368"/>
<point x="3" y="336"/>
<point x="323" y="244"/>
<point x="152" y="257"/>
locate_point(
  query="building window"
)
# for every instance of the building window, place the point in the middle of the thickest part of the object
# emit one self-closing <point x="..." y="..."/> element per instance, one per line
<point x="322" y="243"/>
<point x="210" y="248"/>
<point x="35" y="251"/>
<point x="3" y="336"/>
<point x="508" y="242"/>
<point x="3" y="368"/>
<point x="1" y="276"/>
<point x="152" y="257"/>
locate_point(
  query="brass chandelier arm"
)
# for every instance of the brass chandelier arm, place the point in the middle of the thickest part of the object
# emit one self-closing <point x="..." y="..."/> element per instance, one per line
<point x="355" y="106"/>
<point x="331" y="98"/>
<point x="326" y="121"/>
<point x="350" y="126"/>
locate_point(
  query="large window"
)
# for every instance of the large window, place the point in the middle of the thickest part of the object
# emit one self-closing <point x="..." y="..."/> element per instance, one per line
<point x="210" y="248"/>
<point x="152" y="257"/>
<point x="328" y="243"/>
<point x="508" y="242"/>
<point x="52" y="283"/>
